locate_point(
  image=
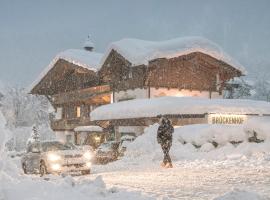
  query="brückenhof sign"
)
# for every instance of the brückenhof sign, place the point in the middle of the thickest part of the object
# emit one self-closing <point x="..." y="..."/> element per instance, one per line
<point x="226" y="119"/>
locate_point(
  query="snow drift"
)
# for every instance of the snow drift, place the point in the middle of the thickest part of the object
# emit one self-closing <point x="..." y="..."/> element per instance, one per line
<point x="146" y="149"/>
<point x="237" y="194"/>
<point x="259" y="126"/>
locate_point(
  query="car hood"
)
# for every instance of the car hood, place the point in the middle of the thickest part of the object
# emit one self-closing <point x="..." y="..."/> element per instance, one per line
<point x="69" y="153"/>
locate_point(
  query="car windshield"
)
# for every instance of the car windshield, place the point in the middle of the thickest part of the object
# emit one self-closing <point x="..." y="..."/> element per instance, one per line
<point x="105" y="147"/>
<point x="56" y="146"/>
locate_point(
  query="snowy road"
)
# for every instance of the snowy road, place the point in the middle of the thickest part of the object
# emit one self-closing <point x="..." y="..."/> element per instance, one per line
<point x="194" y="180"/>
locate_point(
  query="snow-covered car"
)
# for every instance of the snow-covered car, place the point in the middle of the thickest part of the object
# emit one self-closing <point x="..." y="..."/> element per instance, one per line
<point x="55" y="158"/>
<point x="107" y="152"/>
<point x="125" y="141"/>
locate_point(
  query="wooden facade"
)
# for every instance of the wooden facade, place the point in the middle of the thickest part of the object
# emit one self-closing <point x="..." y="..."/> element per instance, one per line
<point x="195" y="71"/>
<point x="65" y="77"/>
<point x="74" y="92"/>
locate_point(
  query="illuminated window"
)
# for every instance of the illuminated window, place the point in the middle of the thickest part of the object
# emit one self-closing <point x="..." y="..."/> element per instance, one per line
<point x="78" y="111"/>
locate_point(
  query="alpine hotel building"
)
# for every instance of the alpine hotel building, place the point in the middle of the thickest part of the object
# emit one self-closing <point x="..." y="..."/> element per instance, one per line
<point x="78" y="81"/>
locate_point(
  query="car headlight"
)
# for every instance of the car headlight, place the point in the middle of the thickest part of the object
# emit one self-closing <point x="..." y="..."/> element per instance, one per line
<point x="53" y="157"/>
<point x="88" y="164"/>
<point x="87" y="155"/>
<point x="56" y="167"/>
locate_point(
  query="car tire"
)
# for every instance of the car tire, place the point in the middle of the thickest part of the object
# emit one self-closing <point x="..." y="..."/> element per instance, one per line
<point x="24" y="168"/>
<point x="43" y="169"/>
<point x="86" y="172"/>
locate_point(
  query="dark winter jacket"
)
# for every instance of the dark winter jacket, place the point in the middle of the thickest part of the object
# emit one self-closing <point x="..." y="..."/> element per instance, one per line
<point x="164" y="133"/>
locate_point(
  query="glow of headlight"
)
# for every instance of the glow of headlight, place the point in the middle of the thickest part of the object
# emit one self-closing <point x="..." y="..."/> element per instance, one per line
<point x="55" y="167"/>
<point x="53" y="157"/>
<point x="87" y="155"/>
<point x="88" y="164"/>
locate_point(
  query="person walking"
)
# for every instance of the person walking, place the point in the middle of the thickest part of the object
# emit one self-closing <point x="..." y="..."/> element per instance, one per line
<point x="164" y="138"/>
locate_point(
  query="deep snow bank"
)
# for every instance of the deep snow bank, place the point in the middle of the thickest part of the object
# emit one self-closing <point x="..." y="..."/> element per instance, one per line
<point x="237" y="194"/>
<point x="260" y="126"/>
<point x="201" y="134"/>
<point x="63" y="188"/>
<point x="146" y="149"/>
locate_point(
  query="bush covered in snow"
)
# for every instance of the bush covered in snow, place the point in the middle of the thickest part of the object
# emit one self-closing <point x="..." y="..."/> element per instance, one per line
<point x="215" y="134"/>
<point x="258" y="127"/>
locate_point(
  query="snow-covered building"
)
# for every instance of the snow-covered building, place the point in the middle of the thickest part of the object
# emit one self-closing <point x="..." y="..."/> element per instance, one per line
<point x="191" y="66"/>
<point x="72" y="85"/>
<point x="77" y="81"/>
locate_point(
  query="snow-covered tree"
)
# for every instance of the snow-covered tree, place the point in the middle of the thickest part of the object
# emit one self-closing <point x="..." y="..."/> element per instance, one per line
<point x="262" y="89"/>
<point x="34" y="137"/>
<point x="22" y="109"/>
<point x="240" y="89"/>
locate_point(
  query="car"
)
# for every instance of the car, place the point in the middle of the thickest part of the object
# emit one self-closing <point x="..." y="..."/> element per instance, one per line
<point x="125" y="141"/>
<point x="107" y="152"/>
<point x="54" y="157"/>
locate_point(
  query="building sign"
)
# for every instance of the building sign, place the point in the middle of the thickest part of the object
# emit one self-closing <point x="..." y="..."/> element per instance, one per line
<point x="226" y="119"/>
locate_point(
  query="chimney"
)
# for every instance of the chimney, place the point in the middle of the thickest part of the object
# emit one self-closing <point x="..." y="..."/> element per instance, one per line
<point x="88" y="44"/>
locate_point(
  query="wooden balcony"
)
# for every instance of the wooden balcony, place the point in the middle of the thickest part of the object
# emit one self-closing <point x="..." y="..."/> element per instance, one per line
<point x="84" y="95"/>
<point x="69" y="124"/>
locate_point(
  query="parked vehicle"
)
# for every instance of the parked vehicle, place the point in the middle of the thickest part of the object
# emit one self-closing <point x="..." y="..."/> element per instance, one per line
<point x="55" y="158"/>
<point x="107" y="152"/>
<point x="125" y="141"/>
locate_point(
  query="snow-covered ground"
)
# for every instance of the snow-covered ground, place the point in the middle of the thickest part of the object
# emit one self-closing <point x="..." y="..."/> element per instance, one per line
<point x="228" y="171"/>
<point x="240" y="171"/>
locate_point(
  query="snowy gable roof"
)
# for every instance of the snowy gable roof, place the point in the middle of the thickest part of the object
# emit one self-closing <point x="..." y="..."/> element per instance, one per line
<point x="140" y="51"/>
<point x="82" y="58"/>
<point x="178" y="105"/>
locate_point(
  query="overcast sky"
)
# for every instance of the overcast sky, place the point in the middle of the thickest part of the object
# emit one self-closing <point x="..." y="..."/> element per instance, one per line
<point x="32" y="32"/>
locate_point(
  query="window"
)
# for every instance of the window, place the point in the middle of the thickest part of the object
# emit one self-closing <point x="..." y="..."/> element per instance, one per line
<point x="78" y="111"/>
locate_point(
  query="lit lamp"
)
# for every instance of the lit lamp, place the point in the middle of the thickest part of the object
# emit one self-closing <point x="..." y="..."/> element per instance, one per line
<point x="97" y="138"/>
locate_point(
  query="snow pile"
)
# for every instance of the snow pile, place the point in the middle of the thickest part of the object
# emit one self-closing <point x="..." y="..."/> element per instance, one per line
<point x="52" y="188"/>
<point x="139" y="52"/>
<point x="237" y="194"/>
<point x="178" y="105"/>
<point x="201" y="134"/>
<point x="259" y="126"/>
<point x="145" y="148"/>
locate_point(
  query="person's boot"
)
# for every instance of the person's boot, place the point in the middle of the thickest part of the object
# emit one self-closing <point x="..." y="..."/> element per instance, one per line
<point x="169" y="165"/>
<point x="163" y="164"/>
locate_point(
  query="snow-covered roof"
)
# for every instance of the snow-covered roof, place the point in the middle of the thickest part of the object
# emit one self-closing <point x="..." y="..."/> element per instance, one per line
<point x="82" y="58"/>
<point x="140" y="51"/>
<point x="178" y="105"/>
<point x="88" y="128"/>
